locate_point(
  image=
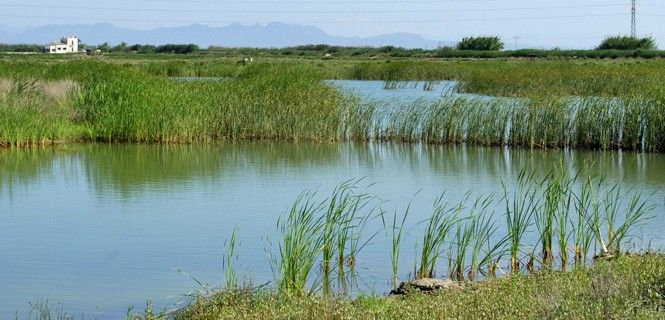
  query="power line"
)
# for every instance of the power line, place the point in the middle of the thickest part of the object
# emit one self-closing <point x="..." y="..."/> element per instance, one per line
<point x="650" y="4"/>
<point x="302" y="11"/>
<point x="321" y="22"/>
<point x="321" y="2"/>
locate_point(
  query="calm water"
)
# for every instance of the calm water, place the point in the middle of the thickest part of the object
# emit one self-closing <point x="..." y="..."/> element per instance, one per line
<point x="406" y="91"/>
<point x="100" y="228"/>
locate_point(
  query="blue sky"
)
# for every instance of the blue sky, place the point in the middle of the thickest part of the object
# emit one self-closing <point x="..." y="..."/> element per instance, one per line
<point x="565" y="23"/>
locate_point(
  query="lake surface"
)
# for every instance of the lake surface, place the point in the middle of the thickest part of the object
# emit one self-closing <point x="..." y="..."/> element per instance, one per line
<point x="100" y="228"/>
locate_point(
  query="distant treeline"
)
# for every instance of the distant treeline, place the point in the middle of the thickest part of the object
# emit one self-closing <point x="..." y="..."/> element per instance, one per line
<point x="105" y="47"/>
<point x="146" y="48"/>
<point x="327" y="51"/>
<point x="21" y="48"/>
<point x="471" y="47"/>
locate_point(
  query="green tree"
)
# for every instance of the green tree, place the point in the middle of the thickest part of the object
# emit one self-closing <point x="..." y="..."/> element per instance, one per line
<point x="627" y="43"/>
<point x="483" y="43"/>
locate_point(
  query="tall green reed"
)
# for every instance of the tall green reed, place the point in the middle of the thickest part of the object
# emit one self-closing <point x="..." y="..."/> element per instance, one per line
<point x="300" y="246"/>
<point x="229" y="263"/>
<point x="443" y="219"/>
<point x="520" y="208"/>
<point x="394" y="233"/>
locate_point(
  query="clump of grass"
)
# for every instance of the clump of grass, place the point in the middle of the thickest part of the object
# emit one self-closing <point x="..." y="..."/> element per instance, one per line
<point x="484" y="252"/>
<point x="326" y="231"/>
<point x="36" y="112"/>
<point x="521" y="207"/>
<point x="608" y="204"/>
<point x="300" y="246"/>
<point x="395" y="236"/>
<point x="584" y="235"/>
<point x="563" y="224"/>
<point x="552" y="219"/>
<point x="342" y="229"/>
<point x="459" y="248"/>
<point x="228" y="263"/>
<point x="472" y="234"/>
<point x="115" y="103"/>
<point x="443" y="219"/>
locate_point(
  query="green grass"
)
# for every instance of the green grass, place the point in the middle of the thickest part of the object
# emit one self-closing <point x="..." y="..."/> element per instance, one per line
<point x="631" y="287"/>
<point x="623" y="286"/>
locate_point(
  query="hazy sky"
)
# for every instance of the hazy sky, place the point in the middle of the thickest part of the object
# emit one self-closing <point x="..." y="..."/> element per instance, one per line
<point x="566" y="23"/>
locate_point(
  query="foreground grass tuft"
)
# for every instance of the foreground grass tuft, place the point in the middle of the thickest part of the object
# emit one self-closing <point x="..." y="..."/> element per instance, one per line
<point x="630" y="287"/>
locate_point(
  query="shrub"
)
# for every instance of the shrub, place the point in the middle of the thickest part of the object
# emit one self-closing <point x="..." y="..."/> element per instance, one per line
<point x="627" y="43"/>
<point x="177" y="48"/>
<point x="487" y="43"/>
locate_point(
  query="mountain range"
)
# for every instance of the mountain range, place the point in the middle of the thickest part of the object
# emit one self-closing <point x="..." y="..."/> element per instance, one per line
<point x="271" y="35"/>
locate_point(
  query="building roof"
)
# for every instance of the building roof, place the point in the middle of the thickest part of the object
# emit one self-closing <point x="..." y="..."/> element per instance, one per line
<point x="62" y="40"/>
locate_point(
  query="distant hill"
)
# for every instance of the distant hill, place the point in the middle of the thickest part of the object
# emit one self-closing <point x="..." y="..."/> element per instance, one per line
<point x="272" y="35"/>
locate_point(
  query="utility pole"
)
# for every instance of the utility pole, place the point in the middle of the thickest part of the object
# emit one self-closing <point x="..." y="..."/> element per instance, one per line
<point x="633" y="24"/>
<point x="517" y="39"/>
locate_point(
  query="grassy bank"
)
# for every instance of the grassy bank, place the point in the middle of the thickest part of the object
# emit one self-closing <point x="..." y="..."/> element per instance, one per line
<point x="627" y="288"/>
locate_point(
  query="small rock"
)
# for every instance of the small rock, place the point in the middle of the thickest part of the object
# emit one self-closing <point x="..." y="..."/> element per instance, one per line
<point x="425" y="286"/>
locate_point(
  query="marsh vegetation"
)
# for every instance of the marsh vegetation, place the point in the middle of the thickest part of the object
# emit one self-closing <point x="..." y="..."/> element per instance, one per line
<point x="535" y="105"/>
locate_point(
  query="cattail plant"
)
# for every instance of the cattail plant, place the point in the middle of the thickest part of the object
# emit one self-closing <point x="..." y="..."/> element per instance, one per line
<point x="394" y="234"/>
<point x="443" y="219"/>
<point x="228" y="263"/>
<point x="521" y="206"/>
<point x="300" y="246"/>
<point x="584" y="235"/>
<point x="545" y="219"/>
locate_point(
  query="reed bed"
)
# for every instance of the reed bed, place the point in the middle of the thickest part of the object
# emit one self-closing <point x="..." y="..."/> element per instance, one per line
<point x="114" y="103"/>
<point x="35" y="112"/>
<point x="546" y="218"/>
<point x="560" y="123"/>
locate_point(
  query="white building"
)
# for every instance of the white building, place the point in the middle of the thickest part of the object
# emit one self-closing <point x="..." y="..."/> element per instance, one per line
<point x="65" y="45"/>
